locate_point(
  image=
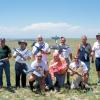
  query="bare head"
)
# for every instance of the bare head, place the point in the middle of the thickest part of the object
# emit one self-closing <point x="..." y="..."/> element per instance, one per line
<point x="62" y="40"/>
<point x="2" y="42"/>
<point x="39" y="56"/>
<point x="76" y="59"/>
<point x="84" y="39"/>
<point x="40" y="39"/>
<point x="56" y="55"/>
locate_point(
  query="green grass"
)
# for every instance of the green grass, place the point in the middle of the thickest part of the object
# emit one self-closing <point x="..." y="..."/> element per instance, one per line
<point x="66" y="94"/>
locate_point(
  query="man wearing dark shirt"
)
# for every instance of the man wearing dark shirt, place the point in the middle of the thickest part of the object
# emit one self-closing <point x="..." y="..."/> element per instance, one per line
<point x="5" y="53"/>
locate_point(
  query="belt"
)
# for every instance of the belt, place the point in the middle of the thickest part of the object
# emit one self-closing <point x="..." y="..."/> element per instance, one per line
<point x="98" y="58"/>
<point x="20" y="63"/>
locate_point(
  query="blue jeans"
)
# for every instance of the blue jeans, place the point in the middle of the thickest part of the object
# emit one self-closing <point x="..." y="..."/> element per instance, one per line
<point x="87" y="64"/>
<point x="19" y="67"/>
<point x="60" y="79"/>
<point x="48" y="81"/>
<point x="6" y="66"/>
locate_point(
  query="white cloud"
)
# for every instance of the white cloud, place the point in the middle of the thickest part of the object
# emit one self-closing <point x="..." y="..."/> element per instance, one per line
<point x="47" y="30"/>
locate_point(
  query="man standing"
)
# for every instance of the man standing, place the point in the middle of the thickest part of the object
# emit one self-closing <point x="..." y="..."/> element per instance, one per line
<point x="84" y="51"/>
<point x="22" y="54"/>
<point x="5" y="54"/>
<point x="66" y="52"/>
<point x="41" y="46"/>
<point x="96" y="52"/>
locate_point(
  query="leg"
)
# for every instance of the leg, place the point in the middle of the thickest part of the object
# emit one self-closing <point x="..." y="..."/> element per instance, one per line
<point x="75" y="81"/>
<point x="97" y="63"/>
<point x="23" y="78"/>
<point x="1" y="74"/>
<point x="68" y="78"/>
<point x="7" y="72"/>
<point x="49" y="82"/>
<point x="61" y="79"/>
<point x="68" y="74"/>
<point x="17" y="74"/>
<point x="31" y="85"/>
<point x="42" y="83"/>
<point x="31" y="79"/>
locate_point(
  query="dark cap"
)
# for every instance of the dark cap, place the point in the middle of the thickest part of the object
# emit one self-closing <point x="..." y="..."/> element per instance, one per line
<point x="22" y="41"/>
<point x="2" y="39"/>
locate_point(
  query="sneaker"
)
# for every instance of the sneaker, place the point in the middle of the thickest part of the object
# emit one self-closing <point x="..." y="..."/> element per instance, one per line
<point x="87" y="86"/>
<point x="51" y="88"/>
<point x="98" y="83"/>
<point x="17" y="87"/>
<point x="10" y="89"/>
<point x="0" y="88"/>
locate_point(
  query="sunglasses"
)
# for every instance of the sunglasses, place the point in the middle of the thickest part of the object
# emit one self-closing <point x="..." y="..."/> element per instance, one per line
<point x="39" y="56"/>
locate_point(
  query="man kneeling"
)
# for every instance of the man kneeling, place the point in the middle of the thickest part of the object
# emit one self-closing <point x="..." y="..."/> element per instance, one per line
<point x="57" y="69"/>
<point x="39" y="73"/>
<point x="79" y="73"/>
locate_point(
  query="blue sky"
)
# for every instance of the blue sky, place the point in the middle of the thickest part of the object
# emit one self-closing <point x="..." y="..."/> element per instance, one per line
<point x="70" y="18"/>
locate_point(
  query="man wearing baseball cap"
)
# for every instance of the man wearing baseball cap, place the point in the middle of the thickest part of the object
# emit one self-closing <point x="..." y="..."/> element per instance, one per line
<point x="96" y="52"/>
<point x="5" y="54"/>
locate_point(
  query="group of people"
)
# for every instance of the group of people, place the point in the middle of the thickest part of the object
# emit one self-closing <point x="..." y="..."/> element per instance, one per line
<point x="50" y="74"/>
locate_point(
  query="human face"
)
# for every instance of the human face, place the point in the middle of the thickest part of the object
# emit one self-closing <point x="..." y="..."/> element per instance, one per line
<point x="22" y="45"/>
<point x="98" y="37"/>
<point x="40" y="39"/>
<point x="62" y="41"/>
<point x="56" y="57"/>
<point x="2" y="44"/>
<point x="39" y="57"/>
<point x="76" y="60"/>
<point x="84" y="39"/>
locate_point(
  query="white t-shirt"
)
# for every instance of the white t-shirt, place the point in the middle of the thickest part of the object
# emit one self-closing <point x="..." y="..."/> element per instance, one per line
<point x="66" y="52"/>
<point x="42" y="66"/>
<point x="74" y="65"/>
<point x="96" y="49"/>
<point x="45" y="48"/>
<point x="25" y="53"/>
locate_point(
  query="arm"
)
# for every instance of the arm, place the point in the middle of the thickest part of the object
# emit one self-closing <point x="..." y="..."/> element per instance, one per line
<point x="9" y="53"/>
<point x="92" y="53"/>
<point x="78" y="50"/>
<point x="92" y="56"/>
<point x="46" y="49"/>
<point x="70" y="56"/>
<point x="51" y="71"/>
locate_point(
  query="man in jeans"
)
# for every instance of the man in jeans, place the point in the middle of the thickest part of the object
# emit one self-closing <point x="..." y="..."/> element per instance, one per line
<point x="5" y="54"/>
<point x="21" y="55"/>
<point x="57" y="69"/>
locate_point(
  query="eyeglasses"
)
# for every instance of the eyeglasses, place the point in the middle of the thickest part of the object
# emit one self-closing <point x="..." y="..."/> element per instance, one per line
<point x="39" y="56"/>
<point x="75" y="58"/>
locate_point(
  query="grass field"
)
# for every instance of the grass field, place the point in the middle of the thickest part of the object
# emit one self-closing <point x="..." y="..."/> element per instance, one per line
<point x="66" y="94"/>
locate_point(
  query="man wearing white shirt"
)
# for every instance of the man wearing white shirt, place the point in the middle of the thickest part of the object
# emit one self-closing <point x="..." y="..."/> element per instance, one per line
<point x="21" y="55"/>
<point x="79" y="67"/>
<point x="96" y="52"/>
<point x="40" y="71"/>
<point x="67" y="54"/>
<point x="41" y="46"/>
